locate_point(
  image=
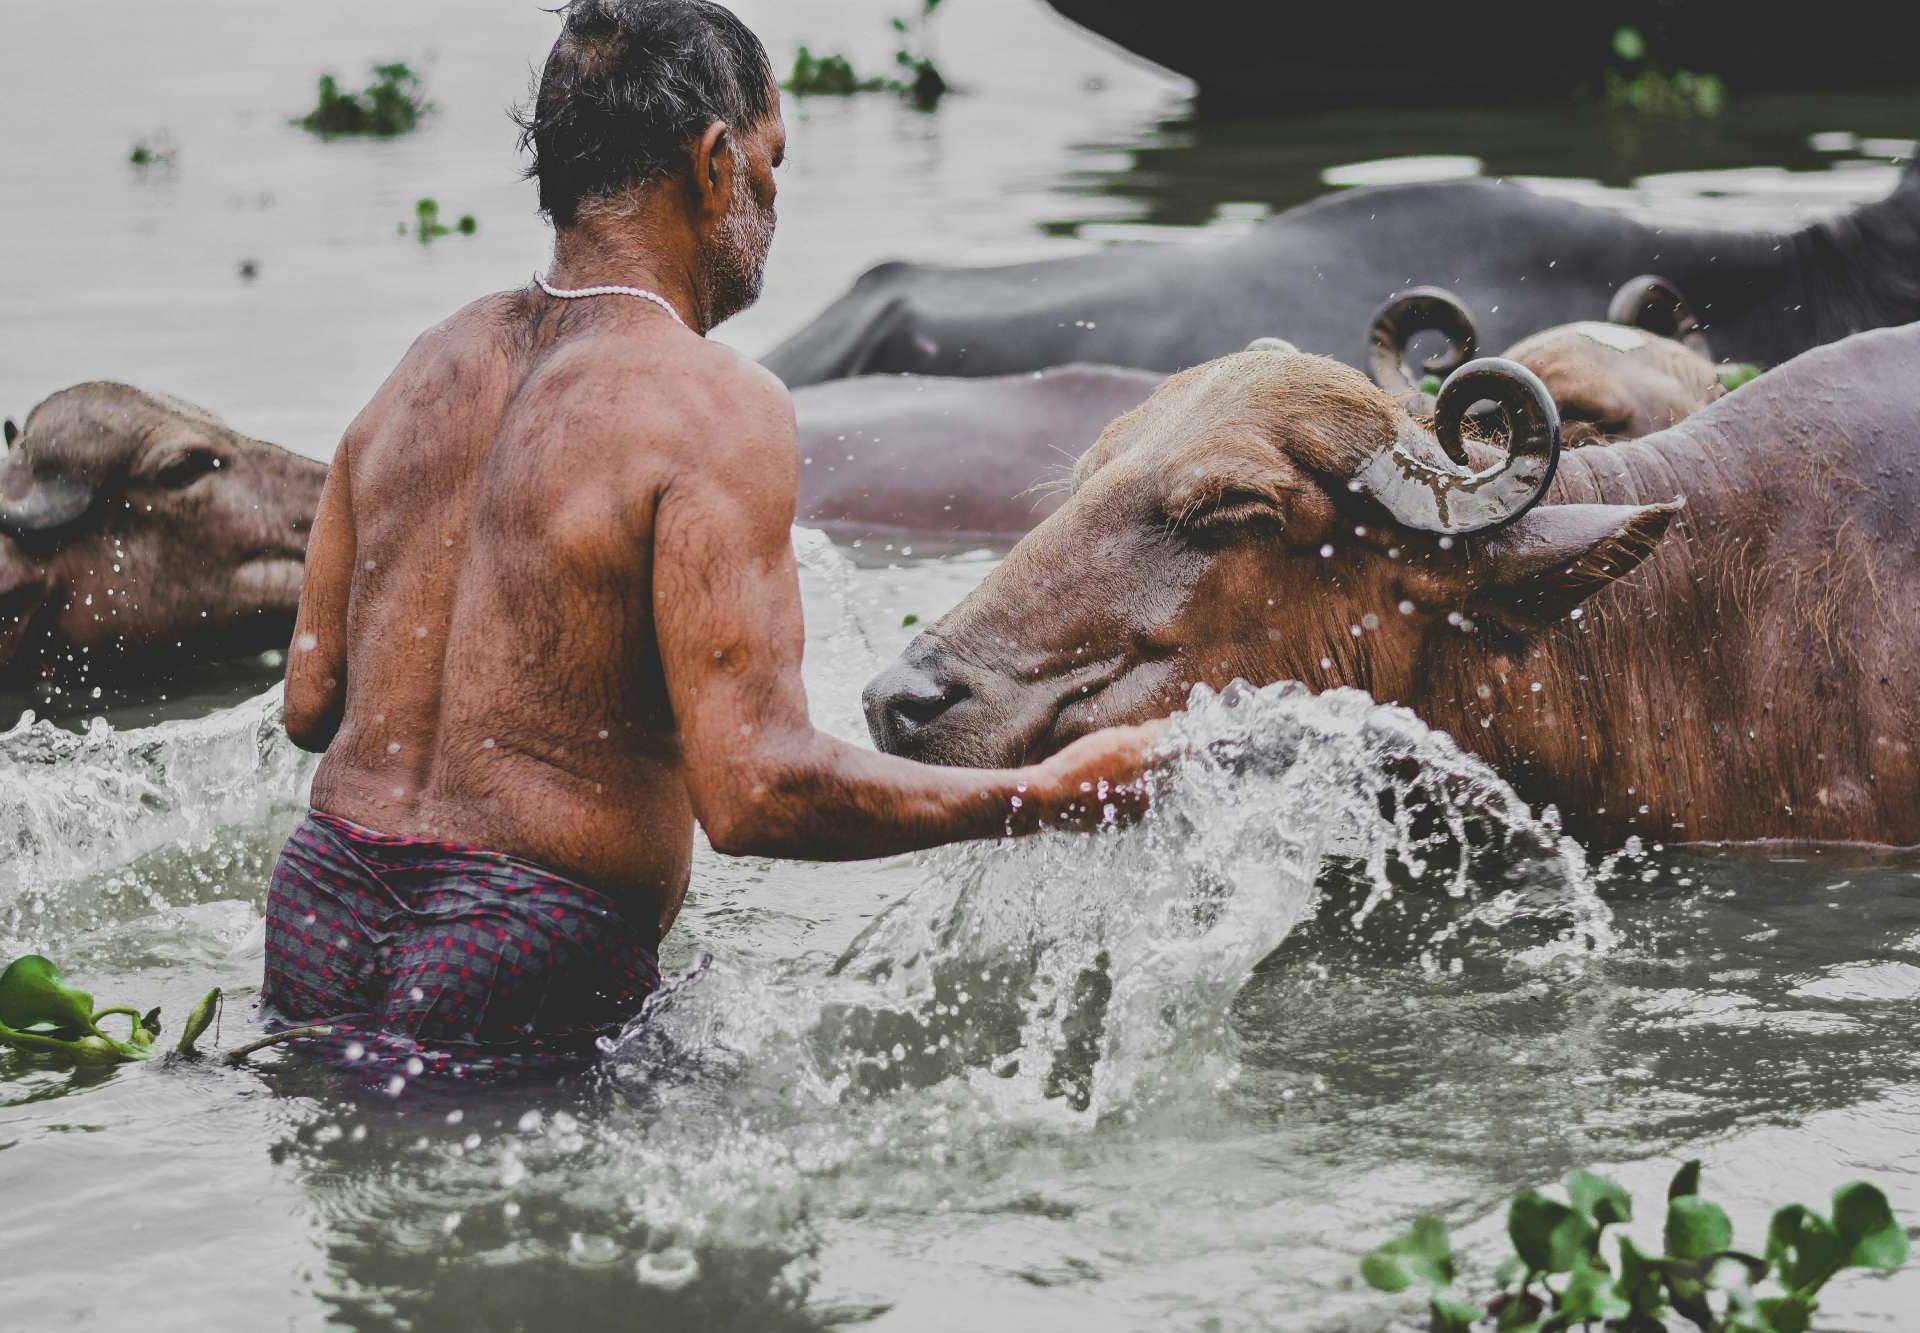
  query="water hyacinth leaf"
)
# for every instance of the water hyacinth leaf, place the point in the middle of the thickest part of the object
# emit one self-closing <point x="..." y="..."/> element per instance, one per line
<point x="1550" y="1236"/>
<point x="1590" y="1295"/>
<point x="1686" y="1181"/>
<point x="1776" y="1314"/>
<point x="1422" y="1257"/>
<point x="1598" y="1199"/>
<point x="33" y="994"/>
<point x="1696" y="1228"/>
<point x="1803" y="1246"/>
<point x="1640" y="1285"/>
<point x="1451" y="1313"/>
<point x="1865" y="1225"/>
<point x="198" y="1022"/>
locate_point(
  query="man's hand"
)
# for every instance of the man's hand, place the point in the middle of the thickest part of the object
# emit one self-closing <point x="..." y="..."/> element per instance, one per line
<point x="1105" y="771"/>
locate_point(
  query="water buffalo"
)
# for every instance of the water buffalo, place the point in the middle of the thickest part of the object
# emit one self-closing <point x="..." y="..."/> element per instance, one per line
<point x="957" y="459"/>
<point x="1318" y="272"/>
<point x="1647" y="367"/>
<point x="136" y="529"/>
<point x="1711" y="633"/>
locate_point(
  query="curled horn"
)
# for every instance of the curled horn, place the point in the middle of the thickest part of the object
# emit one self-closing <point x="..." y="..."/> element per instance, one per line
<point x="1401" y="319"/>
<point x="1271" y="345"/>
<point x="1656" y="306"/>
<point x="1429" y="497"/>
<point x="31" y="503"/>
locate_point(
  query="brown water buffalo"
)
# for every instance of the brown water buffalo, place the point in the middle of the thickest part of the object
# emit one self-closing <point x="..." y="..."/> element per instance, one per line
<point x="1711" y="633"/>
<point x="1646" y="368"/>
<point x="136" y="529"/>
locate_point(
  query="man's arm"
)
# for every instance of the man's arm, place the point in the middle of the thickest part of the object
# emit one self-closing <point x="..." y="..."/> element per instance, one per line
<point x="317" y="661"/>
<point x="727" y="613"/>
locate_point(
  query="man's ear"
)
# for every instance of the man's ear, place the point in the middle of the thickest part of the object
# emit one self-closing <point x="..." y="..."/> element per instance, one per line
<point x="712" y="173"/>
<point x="1533" y="572"/>
<point x="13" y="432"/>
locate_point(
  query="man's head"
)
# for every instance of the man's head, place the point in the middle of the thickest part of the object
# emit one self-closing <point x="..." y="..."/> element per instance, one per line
<point x="643" y="95"/>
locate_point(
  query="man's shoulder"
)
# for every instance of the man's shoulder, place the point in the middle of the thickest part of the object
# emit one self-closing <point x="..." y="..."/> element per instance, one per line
<point x="680" y="386"/>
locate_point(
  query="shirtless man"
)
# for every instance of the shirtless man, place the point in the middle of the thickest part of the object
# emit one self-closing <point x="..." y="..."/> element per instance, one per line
<point x="552" y="616"/>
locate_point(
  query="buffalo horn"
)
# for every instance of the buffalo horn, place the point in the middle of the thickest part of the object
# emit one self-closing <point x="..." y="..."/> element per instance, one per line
<point x="31" y="503"/>
<point x="1271" y="345"/>
<point x="13" y="432"/>
<point x="1406" y="316"/>
<point x="1656" y="306"/>
<point x="1433" y="498"/>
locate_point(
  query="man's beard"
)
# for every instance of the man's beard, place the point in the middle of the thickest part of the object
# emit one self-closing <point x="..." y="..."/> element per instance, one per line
<point x="737" y="266"/>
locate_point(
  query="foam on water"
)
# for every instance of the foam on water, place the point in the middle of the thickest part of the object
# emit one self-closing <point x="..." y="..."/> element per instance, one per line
<point x="1087" y="972"/>
<point x="75" y="804"/>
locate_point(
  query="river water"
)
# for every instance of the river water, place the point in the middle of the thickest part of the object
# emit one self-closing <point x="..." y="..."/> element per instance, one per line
<point x="1180" y="1077"/>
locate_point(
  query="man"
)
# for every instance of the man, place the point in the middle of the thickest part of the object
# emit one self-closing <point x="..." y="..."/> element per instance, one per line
<point x="551" y="614"/>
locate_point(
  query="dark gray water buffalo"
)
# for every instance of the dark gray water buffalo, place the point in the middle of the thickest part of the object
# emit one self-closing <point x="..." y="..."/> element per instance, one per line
<point x="1646" y="367"/>
<point x="1317" y="273"/>
<point x="136" y="529"/>
<point x="1710" y="633"/>
<point x="964" y="460"/>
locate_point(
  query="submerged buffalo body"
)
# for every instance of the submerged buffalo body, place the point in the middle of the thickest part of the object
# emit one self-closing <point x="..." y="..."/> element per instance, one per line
<point x="1317" y="274"/>
<point x="1712" y="633"/>
<point x="135" y="529"/>
<point x="962" y="460"/>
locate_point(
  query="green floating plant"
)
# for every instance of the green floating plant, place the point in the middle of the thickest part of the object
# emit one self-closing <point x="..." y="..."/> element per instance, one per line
<point x="44" y="1014"/>
<point x="390" y="105"/>
<point x="1666" y="94"/>
<point x="833" y="75"/>
<point x="428" y="227"/>
<point x="1736" y="374"/>
<point x="1564" y="1276"/>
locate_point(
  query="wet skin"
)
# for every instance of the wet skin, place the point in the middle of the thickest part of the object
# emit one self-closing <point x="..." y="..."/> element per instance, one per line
<point x="552" y="608"/>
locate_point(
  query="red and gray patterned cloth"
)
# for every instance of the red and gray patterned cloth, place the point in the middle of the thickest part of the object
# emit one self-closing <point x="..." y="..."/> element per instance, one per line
<point x="433" y="960"/>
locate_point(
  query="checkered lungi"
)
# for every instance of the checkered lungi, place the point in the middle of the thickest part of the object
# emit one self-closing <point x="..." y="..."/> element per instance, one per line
<point x="429" y="958"/>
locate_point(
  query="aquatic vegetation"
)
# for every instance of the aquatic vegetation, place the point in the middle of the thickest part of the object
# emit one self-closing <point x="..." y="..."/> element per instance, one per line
<point x="428" y="228"/>
<point x="153" y="151"/>
<point x="390" y="105"/>
<point x="1701" y="1278"/>
<point x="43" y="1014"/>
<point x="833" y="75"/>
<point x="1663" y="94"/>
<point x="1737" y="374"/>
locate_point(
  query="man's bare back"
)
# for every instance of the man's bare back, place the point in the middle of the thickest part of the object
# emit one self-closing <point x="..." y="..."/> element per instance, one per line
<point x="552" y="616"/>
<point x="503" y="677"/>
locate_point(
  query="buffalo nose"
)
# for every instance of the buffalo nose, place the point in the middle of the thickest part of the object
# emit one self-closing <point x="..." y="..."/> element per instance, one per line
<point x="906" y="699"/>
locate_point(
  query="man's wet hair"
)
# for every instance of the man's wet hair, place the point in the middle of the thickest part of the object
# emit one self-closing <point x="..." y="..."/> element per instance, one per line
<point x="628" y="87"/>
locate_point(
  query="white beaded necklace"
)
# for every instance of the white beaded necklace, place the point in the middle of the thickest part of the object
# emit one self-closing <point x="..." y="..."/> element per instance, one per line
<point x="640" y="292"/>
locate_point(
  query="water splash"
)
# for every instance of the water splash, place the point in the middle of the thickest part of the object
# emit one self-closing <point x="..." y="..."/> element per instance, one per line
<point x="76" y="804"/>
<point x="1085" y="975"/>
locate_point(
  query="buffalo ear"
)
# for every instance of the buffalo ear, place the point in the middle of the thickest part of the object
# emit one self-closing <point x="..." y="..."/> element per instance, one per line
<point x="13" y="432"/>
<point x="1533" y="572"/>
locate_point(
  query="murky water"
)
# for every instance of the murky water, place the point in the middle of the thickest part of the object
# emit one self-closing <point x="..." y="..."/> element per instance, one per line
<point x="1176" y="1078"/>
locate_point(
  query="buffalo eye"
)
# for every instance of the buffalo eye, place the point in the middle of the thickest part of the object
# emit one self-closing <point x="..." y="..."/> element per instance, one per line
<point x="1231" y="509"/>
<point x="182" y="472"/>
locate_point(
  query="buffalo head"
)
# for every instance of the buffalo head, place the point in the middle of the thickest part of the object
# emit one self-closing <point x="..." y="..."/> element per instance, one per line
<point x="134" y="527"/>
<point x="1646" y="368"/>
<point x="1268" y="516"/>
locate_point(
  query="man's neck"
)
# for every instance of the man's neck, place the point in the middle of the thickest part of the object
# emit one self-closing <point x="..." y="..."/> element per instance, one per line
<point x="632" y="250"/>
